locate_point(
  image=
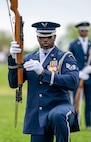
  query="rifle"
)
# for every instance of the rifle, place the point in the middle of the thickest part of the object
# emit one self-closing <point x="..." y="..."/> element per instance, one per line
<point x="80" y="88"/>
<point x="18" y="35"/>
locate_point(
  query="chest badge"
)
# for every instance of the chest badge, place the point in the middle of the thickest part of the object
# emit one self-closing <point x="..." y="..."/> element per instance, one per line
<point x="53" y="66"/>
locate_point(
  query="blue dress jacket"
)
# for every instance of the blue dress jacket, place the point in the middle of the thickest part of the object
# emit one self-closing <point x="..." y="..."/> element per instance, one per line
<point x="41" y="96"/>
<point x="82" y="58"/>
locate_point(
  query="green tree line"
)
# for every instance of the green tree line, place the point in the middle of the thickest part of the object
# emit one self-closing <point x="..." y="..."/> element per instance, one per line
<point x="5" y="39"/>
<point x="63" y="42"/>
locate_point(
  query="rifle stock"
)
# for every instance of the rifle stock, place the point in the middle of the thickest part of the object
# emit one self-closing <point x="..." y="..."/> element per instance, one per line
<point x="80" y="87"/>
<point x="20" y="55"/>
<point x="78" y="95"/>
<point x="18" y="34"/>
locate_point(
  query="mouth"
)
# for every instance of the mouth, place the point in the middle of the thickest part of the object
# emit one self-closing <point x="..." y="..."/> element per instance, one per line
<point x="45" y="44"/>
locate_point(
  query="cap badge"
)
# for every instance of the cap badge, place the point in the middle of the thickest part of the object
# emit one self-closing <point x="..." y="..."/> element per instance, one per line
<point x="44" y="24"/>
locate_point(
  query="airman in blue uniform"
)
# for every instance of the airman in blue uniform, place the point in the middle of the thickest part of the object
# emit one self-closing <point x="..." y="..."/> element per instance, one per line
<point x="81" y="49"/>
<point x="50" y="74"/>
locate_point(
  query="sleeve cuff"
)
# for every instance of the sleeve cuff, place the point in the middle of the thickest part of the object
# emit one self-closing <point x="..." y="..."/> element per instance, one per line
<point x="47" y="77"/>
<point x="11" y="61"/>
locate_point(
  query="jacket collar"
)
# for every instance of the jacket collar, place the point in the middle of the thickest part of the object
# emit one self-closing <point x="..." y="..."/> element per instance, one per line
<point x="79" y="42"/>
<point x="50" y="57"/>
<point x="88" y="48"/>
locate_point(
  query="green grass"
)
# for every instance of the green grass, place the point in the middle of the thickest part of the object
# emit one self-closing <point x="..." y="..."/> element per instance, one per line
<point x="8" y="133"/>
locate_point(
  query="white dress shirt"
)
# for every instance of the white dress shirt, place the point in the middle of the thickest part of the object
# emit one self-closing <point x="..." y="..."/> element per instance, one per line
<point x="84" y="42"/>
<point x="42" y="54"/>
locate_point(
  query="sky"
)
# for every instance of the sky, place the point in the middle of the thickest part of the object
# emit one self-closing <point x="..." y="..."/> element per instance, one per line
<point x="64" y="12"/>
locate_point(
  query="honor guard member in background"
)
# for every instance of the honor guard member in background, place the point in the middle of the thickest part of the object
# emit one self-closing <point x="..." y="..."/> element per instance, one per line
<point x="81" y="49"/>
<point x="50" y="74"/>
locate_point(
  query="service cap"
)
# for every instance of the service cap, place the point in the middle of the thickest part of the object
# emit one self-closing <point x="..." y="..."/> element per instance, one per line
<point x="45" y="28"/>
<point x="83" y="26"/>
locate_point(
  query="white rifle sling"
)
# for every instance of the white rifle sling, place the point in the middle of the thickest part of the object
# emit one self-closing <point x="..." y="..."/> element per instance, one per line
<point x="62" y="59"/>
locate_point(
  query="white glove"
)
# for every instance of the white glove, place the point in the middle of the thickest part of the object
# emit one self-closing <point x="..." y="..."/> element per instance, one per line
<point x="33" y="65"/>
<point x="14" y="49"/>
<point x="87" y="69"/>
<point x="83" y="75"/>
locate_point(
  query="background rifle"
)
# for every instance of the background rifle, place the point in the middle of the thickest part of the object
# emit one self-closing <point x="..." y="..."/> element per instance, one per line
<point x="18" y="34"/>
<point x="80" y="87"/>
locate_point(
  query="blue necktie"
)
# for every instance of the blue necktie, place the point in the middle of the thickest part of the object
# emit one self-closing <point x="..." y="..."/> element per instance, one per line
<point x="45" y="52"/>
<point x="83" y="39"/>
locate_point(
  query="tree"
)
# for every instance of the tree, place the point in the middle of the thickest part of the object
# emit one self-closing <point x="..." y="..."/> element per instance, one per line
<point x="5" y="39"/>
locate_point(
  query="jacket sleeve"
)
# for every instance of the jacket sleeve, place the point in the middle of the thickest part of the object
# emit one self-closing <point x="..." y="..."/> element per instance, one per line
<point x="68" y="78"/>
<point x="71" y="47"/>
<point x="12" y="73"/>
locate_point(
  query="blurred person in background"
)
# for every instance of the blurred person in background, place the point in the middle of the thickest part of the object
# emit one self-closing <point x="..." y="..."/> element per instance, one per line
<point x="81" y="49"/>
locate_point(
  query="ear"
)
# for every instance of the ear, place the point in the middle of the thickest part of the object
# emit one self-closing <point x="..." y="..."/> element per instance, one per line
<point x="54" y="37"/>
<point x="37" y="38"/>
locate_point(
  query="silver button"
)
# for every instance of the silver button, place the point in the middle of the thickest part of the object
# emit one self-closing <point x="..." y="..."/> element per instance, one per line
<point x="40" y="95"/>
<point x="40" y="82"/>
<point x="40" y="108"/>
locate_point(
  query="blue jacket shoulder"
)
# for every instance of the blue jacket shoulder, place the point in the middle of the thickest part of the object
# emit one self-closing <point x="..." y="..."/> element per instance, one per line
<point x="29" y="56"/>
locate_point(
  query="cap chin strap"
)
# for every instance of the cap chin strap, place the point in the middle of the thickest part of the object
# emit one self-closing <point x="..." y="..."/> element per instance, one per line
<point x="45" y="33"/>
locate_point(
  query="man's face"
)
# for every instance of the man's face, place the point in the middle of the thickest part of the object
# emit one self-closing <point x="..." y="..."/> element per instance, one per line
<point x="46" y="42"/>
<point x="83" y="33"/>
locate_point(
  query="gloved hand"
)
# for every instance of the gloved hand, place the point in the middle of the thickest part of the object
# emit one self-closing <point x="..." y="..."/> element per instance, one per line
<point x="14" y="49"/>
<point x="83" y="75"/>
<point x="33" y="65"/>
<point x="87" y="69"/>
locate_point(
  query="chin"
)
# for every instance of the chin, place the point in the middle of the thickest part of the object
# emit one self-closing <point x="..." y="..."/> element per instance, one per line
<point x="45" y="47"/>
